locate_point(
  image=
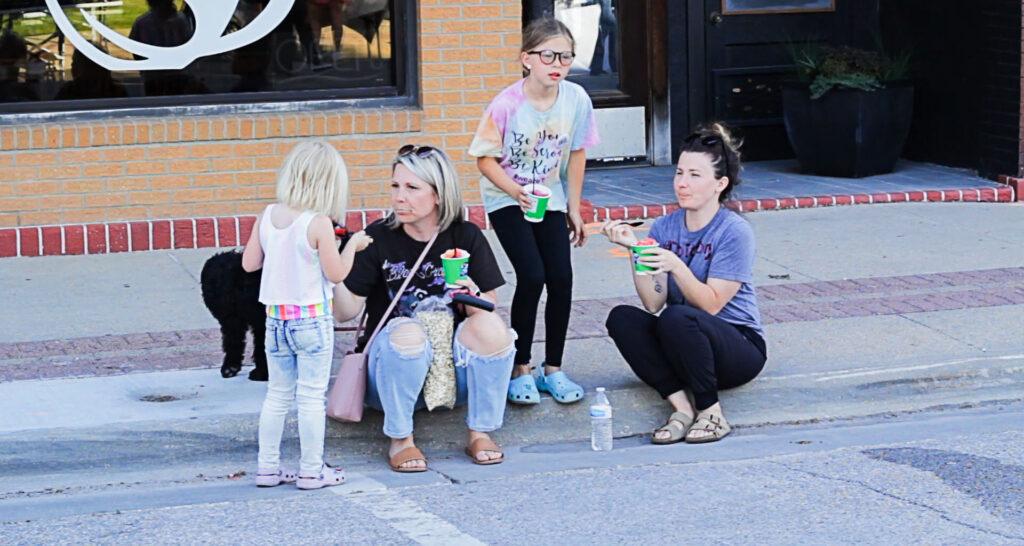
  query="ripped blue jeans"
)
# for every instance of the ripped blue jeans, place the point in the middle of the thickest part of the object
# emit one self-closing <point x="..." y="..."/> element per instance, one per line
<point x="394" y="382"/>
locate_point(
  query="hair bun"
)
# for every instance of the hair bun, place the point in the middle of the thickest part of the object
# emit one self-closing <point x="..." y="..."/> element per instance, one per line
<point x="726" y="137"/>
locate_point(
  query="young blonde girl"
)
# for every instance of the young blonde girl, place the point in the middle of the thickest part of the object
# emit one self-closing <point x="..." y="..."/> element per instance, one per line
<point x="293" y="241"/>
<point x="535" y="133"/>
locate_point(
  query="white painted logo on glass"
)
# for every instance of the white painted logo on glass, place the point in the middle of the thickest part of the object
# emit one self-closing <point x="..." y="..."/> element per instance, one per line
<point x="212" y="17"/>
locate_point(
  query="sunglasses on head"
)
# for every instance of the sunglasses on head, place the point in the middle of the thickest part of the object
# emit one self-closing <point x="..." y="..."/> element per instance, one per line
<point x="708" y="141"/>
<point x="419" y="151"/>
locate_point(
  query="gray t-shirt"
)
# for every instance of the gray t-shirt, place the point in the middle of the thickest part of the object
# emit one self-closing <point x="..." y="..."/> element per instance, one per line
<point x="723" y="249"/>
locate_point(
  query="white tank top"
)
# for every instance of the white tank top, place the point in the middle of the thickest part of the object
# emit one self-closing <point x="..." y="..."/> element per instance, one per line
<point x="291" y="268"/>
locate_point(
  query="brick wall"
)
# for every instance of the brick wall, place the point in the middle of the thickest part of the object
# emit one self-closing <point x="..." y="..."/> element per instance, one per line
<point x="998" y="89"/>
<point x="198" y="167"/>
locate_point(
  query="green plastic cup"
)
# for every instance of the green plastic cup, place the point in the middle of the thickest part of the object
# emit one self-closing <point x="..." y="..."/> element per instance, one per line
<point x="541" y="195"/>
<point x="639" y="268"/>
<point x="455" y="263"/>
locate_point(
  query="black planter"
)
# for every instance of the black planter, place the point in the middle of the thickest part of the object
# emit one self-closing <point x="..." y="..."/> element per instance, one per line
<point x="848" y="132"/>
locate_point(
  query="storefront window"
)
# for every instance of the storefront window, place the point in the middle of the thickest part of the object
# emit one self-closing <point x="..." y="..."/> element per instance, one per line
<point x="312" y="49"/>
<point x="595" y="26"/>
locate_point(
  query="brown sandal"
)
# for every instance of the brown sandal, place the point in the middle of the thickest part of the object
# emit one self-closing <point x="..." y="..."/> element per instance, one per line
<point x="484" y="444"/>
<point x="716" y="425"/>
<point x="406" y="455"/>
<point x="677" y="425"/>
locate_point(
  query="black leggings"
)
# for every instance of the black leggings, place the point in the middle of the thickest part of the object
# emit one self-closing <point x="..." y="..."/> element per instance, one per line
<point x="685" y="347"/>
<point x="539" y="253"/>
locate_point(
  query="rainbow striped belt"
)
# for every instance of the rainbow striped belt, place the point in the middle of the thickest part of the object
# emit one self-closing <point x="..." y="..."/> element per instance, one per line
<point x="292" y="312"/>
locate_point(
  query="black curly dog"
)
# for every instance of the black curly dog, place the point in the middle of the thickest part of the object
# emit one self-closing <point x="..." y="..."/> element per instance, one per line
<point x="232" y="296"/>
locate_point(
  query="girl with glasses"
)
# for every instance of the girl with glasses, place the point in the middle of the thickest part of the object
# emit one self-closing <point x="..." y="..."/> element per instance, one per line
<point x="535" y="133"/>
<point x="708" y="336"/>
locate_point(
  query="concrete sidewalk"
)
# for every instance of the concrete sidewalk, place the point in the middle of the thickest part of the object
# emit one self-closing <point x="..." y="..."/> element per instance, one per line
<point x="868" y="310"/>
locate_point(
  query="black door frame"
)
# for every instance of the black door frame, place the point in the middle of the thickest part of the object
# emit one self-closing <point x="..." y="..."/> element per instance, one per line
<point x="687" y="72"/>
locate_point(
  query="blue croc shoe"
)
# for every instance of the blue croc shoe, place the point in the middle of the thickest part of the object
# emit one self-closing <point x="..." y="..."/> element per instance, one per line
<point x="523" y="390"/>
<point x="561" y="388"/>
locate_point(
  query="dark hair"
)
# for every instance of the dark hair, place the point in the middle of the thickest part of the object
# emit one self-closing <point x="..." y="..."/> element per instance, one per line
<point x="542" y="30"/>
<point x="715" y="140"/>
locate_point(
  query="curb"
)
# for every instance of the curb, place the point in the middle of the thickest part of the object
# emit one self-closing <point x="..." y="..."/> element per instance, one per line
<point x="232" y="231"/>
<point x="976" y="195"/>
<point x="164" y="234"/>
<point x="1017" y="184"/>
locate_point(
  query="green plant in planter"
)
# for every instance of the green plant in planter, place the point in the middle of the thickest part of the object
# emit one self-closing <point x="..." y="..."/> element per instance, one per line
<point x="858" y="129"/>
<point x="823" y="68"/>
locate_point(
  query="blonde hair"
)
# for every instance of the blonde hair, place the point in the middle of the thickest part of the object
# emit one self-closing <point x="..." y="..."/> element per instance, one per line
<point x="314" y="177"/>
<point x="436" y="169"/>
<point x="542" y="30"/>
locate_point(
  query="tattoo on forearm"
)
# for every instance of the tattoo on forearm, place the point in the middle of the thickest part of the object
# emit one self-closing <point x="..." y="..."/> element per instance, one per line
<point x="657" y="287"/>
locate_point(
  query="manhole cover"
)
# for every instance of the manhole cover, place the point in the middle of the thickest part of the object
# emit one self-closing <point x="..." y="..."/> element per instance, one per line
<point x="159" y="398"/>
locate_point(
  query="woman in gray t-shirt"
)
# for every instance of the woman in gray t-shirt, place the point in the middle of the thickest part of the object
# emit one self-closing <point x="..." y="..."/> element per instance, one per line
<point x="708" y="336"/>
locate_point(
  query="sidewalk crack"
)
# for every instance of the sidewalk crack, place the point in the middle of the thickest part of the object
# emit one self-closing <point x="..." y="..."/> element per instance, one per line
<point x="944" y="334"/>
<point x="790" y="269"/>
<point x="452" y="480"/>
<point x="183" y="268"/>
<point x="898" y="498"/>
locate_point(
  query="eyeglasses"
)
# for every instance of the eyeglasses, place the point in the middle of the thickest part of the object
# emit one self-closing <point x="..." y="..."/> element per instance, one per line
<point x="708" y="141"/>
<point x="421" y="152"/>
<point x="548" y="57"/>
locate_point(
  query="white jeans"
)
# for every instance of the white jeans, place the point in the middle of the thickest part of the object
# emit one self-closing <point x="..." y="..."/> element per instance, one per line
<point x="299" y="354"/>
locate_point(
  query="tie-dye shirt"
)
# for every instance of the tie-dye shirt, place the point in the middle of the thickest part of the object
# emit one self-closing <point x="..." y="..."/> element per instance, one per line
<point x="531" y="146"/>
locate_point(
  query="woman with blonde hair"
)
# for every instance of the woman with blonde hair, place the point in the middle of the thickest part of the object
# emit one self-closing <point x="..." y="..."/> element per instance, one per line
<point x="427" y="206"/>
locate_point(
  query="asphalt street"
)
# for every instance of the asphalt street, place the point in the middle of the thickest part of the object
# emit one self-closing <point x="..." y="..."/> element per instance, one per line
<point x="945" y="477"/>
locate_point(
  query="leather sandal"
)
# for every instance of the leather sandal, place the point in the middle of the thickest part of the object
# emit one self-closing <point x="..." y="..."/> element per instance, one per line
<point x="408" y="454"/>
<point x="677" y="425"/>
<point x="715" y="425"/>
<point x="484" y="444"/>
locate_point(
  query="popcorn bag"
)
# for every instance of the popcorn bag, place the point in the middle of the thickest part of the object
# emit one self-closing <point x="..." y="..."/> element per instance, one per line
<point x="438" y="322"/>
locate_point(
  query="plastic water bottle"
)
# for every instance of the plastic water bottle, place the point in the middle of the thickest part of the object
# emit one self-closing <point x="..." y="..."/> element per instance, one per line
<point x="601" y="422"/>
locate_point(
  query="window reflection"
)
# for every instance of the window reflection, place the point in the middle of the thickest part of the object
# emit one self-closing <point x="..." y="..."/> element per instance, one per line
<point x="321" y="45"/>
<point x="595" y="26"/>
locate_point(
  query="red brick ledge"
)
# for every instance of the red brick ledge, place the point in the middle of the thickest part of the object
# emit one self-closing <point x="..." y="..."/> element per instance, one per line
<point x="985" y="195"/>
<point x="145" y="235"/>
<point x="1016" y="183"/>
<point x="231" y="231"/>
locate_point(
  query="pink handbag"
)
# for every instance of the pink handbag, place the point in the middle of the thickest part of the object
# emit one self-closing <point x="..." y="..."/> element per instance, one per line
<point x="346" y="397"/>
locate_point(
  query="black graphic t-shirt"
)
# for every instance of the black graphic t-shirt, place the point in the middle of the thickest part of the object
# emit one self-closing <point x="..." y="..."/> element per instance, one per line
<point x="380" y="270"/>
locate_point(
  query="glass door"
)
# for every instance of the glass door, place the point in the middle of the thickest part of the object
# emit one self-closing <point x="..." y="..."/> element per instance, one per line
<point x="615" y="41"/>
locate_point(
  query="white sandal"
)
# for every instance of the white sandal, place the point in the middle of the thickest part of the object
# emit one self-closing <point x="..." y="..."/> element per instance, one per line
<point x="273" y="478"/>
<point x="328" y="476"/>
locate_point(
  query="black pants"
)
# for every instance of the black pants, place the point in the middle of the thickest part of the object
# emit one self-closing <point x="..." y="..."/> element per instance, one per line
<point x="685" y="347"/>
<point x="539" y="253"/>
